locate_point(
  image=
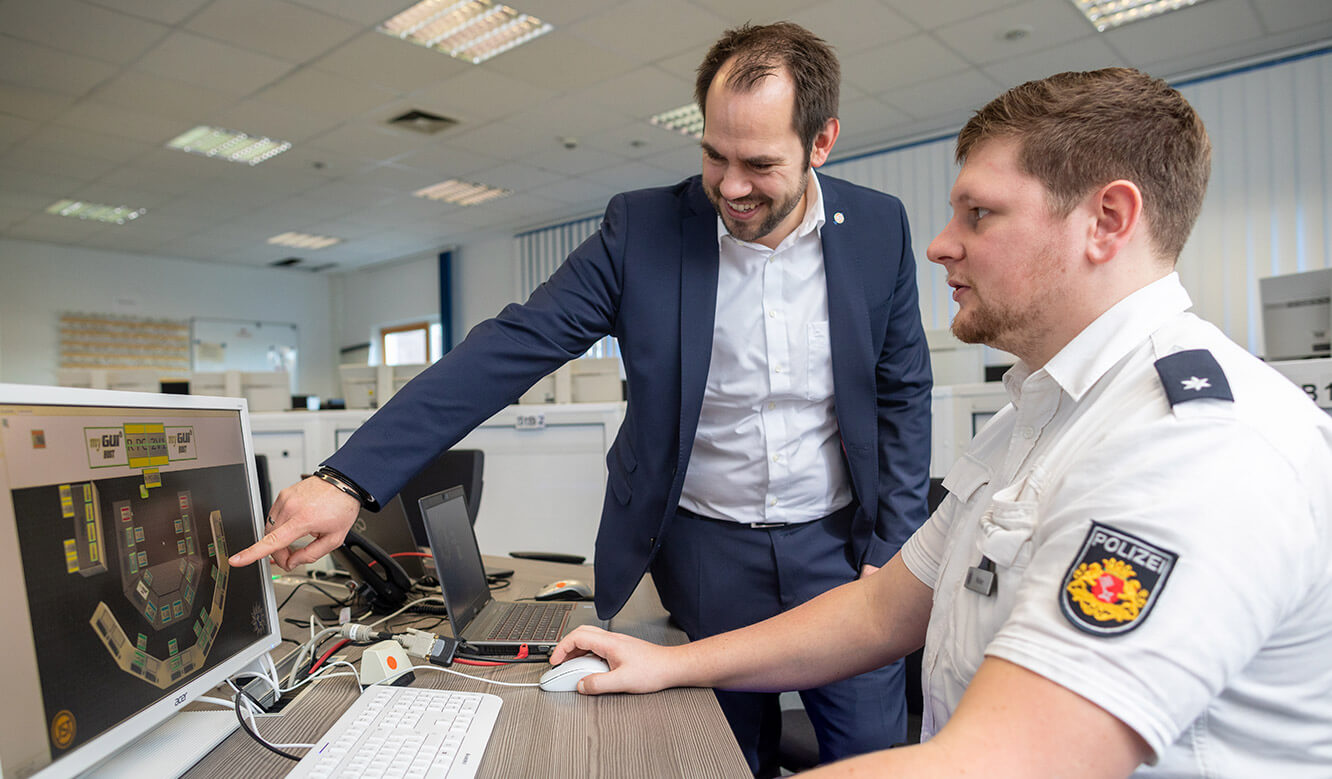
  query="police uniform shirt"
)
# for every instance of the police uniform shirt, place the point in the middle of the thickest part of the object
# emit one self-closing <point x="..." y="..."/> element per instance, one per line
<point x="1150" y="517"/>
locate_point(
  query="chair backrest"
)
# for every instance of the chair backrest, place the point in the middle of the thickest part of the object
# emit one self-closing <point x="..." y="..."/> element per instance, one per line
<point x="456" y="467"/>
<point x="265" y="484"/>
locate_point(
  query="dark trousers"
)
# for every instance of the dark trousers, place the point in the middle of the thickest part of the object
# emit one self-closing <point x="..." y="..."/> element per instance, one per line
<point x="714" y="576"/>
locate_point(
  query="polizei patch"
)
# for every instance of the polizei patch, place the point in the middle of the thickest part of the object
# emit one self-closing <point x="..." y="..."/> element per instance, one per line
<point x="1114" y="581"/>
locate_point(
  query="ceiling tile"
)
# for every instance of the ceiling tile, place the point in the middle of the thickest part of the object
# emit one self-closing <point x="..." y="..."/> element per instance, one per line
<point x="909" y="61"/>
<point x="478" y="95"/>
<point x="149" y="94"/>
<point x="631" y="175"/>
<point x="447" y="161"/>
<point x="685" y="64"/>
<point x="563" y="12"/>
<point x="1088" y="54"/>
<point x="36" y="104"/>
<point x="1191" y="30"/>
<point x="397" y="65"/>
<point x="279" y="29"/>
<point x="197" y="60"/>
<point x="34" y="66"/>
<point x="14" y="129"/>
<point x="80" y="28"/>
<point x="369" y="142"/>
<point x="327" y="93"/>
<point x="737" y="12"/>
<point x="95" y="116"/>
<point x="981" y="39"/>
<point x="640" y="93"/>
<point x="516" y="177"/>
<point x="867" y="113"/>
<point x="673" y="28"/>
<point x="852" y="25"/>
<point x="399" y="178"/>
<point x="34" y="160"/>
<point x="929" y="14"/>
<point x="960" y="93"/>
<point x="86" y="144"/>
<point x="572" y="162"/>
<point x="170" y="12"/>
<point x="264" y="117"/>
<point x="562" y="62"/>
<point x="363" y="11"/>
<point x="1291" y="14"/>
<point x="575" y="190"/>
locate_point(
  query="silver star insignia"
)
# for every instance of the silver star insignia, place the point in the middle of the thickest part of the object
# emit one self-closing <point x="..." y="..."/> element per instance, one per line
<point x="1196" y="384"/>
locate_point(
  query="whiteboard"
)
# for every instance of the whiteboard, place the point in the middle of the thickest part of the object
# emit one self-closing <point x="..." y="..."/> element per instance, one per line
<point x="243" y="345"/>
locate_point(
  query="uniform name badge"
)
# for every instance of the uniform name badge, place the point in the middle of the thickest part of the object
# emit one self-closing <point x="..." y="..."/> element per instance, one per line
<point x="1114" y="581"/>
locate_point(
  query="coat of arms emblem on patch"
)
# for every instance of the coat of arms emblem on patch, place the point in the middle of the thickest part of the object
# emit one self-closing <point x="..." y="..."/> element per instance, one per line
<point x="1114" y="581"/>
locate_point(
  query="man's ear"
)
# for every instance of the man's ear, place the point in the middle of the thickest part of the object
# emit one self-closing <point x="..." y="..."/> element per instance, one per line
<point x="823" y="143"/>
<point x="1116" y="216"/>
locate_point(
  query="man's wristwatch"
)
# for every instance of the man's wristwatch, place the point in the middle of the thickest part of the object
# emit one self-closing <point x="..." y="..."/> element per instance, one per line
<point x="347" y="486"/>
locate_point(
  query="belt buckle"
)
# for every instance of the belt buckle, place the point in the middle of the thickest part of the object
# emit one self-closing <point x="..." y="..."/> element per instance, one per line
<point x="767" y="525"/>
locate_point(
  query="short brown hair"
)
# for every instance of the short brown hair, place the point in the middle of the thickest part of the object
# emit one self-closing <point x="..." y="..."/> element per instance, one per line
<point x="761" y="50"/>
<point x="1080" y="131"/>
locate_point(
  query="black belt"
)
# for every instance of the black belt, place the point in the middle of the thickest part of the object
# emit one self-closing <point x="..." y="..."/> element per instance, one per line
<point x="756" y="525"/>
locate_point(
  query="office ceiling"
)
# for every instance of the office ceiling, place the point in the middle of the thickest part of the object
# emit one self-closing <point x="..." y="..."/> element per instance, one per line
<point x="91" y="90"/>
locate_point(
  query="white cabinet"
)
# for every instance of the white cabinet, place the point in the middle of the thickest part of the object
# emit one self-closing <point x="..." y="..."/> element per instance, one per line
<point x="545" y="469"/>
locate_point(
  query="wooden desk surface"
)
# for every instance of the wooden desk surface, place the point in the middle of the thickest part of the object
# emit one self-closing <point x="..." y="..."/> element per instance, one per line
<point x="673" y="733"/>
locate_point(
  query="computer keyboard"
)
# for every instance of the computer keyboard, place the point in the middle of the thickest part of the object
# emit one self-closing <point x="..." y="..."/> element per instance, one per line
<point x="412" y="732"/>
<point x="531" y="622"/>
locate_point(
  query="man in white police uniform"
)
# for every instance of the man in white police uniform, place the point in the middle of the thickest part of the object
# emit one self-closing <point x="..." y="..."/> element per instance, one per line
<point x="1132" y="573"/>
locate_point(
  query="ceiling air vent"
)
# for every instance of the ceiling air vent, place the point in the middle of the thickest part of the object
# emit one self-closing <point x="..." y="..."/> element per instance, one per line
<point x="422" y="122"/>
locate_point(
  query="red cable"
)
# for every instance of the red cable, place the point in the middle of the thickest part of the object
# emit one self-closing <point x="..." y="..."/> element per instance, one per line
<point x="405" y="554"/>
<point x="327" y="655"/>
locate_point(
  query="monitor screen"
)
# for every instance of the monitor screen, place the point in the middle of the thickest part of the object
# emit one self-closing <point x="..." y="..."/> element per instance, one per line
<point x="117" y="513"/>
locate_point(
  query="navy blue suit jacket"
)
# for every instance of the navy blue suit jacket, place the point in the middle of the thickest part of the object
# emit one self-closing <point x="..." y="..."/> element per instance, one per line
<point x="649" y="278"/>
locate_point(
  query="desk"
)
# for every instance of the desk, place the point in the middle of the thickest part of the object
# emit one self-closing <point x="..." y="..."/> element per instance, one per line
<point x="674" y="733"/>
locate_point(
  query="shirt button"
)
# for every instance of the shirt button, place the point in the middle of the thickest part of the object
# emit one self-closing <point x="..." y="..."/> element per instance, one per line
<point x="771" y="406"/>
<point x="776" y="458"/>
<point x="777" y="369"/>
<point x="772" y="314"/>
<point x="772" y="501"/>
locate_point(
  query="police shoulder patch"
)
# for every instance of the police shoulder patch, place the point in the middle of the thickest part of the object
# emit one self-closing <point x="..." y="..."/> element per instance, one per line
<point x="1114" y="581"/>
<point x="1191" y="375"/>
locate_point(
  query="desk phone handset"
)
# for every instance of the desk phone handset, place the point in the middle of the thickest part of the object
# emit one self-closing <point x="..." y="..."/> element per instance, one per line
<point x="387" y="584"/>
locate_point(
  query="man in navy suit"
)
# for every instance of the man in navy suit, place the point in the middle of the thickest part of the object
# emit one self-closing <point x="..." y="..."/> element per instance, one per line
<point x="776" y="439"/>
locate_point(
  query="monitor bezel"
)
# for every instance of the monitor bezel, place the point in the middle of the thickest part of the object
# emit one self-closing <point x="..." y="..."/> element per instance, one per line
<point x="128" y="731"/>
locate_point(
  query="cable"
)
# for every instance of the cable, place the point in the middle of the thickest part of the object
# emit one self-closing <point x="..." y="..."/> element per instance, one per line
<point x="322" y="591"/>
<point x="254" y="734"/>
<point x="328" y="654"/>
<point x="465" y="676"/>
<point x="226" y="704"/>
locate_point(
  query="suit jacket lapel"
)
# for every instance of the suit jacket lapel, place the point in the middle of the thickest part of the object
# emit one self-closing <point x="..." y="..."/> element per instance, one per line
<point x="698" y="309"/>
<point x="848" y="314"/>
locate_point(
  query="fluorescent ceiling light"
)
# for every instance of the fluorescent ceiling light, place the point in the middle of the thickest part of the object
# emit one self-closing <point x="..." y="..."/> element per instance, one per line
<point x="461" y="193"/>
<point x="686" y="120"/>
<point x="230" y="145"/>
<point x="96" y="212"/>
<point x="1107" y="14"/>
<point x="304" y="241"/>
<point x="471" y="30"/>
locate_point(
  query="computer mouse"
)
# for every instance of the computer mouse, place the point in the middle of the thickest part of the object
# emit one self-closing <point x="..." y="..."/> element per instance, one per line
<point x="565" y="589"/>
<point x="565" y="676"/>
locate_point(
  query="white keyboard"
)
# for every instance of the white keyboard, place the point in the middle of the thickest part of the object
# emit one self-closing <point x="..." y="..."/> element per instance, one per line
<point x="405" y="732"/>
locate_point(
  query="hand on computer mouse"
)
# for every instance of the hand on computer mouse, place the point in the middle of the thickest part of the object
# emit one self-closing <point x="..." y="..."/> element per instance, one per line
<point x="635" y="665"/>
<point x="566" y="676"/>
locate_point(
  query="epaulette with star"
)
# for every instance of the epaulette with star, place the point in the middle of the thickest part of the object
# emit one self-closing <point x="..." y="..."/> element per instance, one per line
<point x="1191" y="375"/>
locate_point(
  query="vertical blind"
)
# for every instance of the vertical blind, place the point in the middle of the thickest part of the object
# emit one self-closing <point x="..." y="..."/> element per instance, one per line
<point x="1267" y="209"/>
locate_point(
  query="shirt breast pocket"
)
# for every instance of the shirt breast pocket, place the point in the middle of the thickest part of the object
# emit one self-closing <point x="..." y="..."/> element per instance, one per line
<point x="818" y="362"/>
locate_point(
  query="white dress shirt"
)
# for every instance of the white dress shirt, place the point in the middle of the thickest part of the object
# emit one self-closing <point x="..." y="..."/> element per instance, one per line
<point x="1225" y="672"/>
<point x="767" y="447"/>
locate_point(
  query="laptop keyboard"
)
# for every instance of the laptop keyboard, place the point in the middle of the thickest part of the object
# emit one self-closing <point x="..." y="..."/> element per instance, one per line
<point x="531" y="622"/>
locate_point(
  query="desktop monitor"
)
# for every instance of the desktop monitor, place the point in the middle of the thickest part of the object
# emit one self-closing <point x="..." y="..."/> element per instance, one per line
<point x="117" y="513"/>
<point x="1297" y="315"/>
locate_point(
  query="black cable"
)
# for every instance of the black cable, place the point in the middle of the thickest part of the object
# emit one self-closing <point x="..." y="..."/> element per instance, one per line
<point x="325" y="593"/>
<point x="246" y="725"/>
<point x="505" y="660"/>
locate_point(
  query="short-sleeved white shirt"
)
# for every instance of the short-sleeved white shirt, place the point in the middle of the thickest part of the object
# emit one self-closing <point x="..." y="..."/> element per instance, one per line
<point x="1225" y="668"/>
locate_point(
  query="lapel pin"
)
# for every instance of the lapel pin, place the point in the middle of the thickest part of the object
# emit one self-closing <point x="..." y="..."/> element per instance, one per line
<point x="838" y="218"/>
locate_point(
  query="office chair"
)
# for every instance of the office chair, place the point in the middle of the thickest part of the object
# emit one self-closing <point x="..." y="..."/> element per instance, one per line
<point x="799" y="748"/>
<point x="456" y="467"/>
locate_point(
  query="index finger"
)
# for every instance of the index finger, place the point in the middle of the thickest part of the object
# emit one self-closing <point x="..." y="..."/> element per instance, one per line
<point x="580" y="641"/>
<point x="279" y="537"/>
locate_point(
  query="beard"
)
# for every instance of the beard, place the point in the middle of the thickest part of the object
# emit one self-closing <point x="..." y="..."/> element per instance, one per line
<point x="777" y="210"/>
<point x="1013" y="325"/>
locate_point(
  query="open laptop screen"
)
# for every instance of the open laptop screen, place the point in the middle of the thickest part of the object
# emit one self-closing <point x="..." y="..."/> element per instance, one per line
<point x="462" y="578"/>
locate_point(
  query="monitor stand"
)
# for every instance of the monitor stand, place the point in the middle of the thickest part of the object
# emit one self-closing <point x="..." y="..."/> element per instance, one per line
<point x="171" y="748"/>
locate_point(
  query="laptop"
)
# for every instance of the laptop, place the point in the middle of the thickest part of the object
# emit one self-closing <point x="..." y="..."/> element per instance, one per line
<point x="487" y="625"/>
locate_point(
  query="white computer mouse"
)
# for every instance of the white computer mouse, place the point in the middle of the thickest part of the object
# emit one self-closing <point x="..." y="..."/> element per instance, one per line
<point x="564" y="677"/>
